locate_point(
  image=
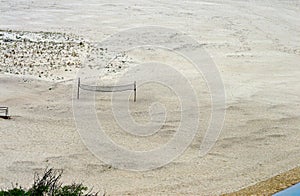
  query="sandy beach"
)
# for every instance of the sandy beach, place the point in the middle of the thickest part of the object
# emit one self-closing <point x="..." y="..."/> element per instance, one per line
<point x="254" y="44"/>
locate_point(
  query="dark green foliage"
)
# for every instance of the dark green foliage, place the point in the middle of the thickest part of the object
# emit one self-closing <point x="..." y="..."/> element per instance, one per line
<point x="49" y="185"/>
<point x="14" y="191"/>
<point x="71" y="190"/>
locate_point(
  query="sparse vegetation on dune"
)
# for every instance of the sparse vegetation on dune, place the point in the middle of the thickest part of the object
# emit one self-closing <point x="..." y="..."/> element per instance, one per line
<point x="52" y="56"/>
<point x="49" y="184"/>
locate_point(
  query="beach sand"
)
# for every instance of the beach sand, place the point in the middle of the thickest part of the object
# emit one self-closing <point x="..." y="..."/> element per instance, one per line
<point x="273" y="185"/>
<point x="254" y="44"/>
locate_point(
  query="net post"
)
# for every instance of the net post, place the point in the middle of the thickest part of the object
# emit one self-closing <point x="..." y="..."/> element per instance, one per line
<point x="78" y="87"/>
<point x="134" y="89"/>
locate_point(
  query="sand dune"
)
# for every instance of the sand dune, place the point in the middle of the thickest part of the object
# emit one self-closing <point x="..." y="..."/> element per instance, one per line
<point x="254" y="44"/>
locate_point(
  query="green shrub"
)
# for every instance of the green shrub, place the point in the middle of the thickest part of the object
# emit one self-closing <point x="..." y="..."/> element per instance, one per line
<point x="14" y="191"/>
<point x="49" y="184"/>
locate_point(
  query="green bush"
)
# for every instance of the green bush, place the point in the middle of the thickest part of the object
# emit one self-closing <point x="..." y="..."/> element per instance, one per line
<point x="14" y="191"/>
<point x="49" y="184"/>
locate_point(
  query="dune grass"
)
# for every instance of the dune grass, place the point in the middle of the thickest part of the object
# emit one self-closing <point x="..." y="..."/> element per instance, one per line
<point x="49" y="184"/>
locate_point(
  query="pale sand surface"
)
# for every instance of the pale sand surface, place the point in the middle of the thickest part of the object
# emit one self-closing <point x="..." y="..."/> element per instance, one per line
<point x="255" y="45"/>
<point x="273" y="185"/>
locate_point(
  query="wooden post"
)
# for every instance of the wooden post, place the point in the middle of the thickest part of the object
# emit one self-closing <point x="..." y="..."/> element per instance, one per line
<point x="78" y="87"/>
<point x="134" y="89"/>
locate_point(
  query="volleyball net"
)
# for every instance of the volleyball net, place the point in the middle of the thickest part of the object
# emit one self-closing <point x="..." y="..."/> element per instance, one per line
<point x="118" y="88"/>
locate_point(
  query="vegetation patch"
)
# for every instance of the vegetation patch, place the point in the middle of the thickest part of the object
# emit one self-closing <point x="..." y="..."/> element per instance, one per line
<point x="49" y="184"/>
